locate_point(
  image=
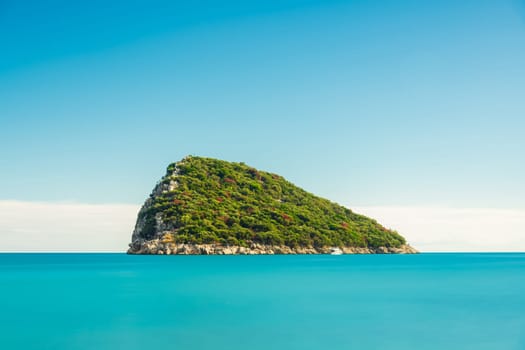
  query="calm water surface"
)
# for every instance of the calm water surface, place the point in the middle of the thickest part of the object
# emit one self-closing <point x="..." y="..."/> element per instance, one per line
<point x="115" y="301"/>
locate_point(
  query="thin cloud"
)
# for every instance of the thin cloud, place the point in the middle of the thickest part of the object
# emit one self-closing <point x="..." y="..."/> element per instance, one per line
<point x="42" y="226"/>
<point x="455" y="229"/>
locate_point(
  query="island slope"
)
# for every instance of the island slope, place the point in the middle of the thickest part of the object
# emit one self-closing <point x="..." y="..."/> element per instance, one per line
<point x="210" y="206"/>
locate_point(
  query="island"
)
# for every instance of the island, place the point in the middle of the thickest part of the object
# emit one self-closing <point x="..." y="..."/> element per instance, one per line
<point x="210" y="206"/>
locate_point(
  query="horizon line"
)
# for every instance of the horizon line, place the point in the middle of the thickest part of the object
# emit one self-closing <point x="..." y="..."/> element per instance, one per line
<point x="124" y="252"/>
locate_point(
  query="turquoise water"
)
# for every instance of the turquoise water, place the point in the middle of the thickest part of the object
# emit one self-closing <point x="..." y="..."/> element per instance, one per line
<point x="115" y="301"/>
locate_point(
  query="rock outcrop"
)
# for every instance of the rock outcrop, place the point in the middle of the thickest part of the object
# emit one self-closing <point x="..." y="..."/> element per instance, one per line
<point x="158" y="247"/>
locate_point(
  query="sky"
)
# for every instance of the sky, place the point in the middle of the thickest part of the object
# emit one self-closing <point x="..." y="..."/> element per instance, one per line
<point x="409" y="111"/>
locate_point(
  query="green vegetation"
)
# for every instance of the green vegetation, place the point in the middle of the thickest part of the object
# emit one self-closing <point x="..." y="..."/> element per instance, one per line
<point x="215" y="201"/>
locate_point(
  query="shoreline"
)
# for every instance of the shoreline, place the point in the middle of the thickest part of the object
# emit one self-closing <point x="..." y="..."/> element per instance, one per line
<point x="157" y="247"/>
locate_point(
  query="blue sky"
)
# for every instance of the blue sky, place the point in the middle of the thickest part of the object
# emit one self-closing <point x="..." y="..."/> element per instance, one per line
<point x="368" y="103"/>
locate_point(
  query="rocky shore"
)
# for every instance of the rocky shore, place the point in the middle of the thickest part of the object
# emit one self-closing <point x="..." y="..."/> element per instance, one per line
<point x="158" y="247"/>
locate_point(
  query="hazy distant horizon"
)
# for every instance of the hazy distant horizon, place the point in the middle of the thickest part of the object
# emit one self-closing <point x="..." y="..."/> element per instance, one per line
<point x="96" y="228"/>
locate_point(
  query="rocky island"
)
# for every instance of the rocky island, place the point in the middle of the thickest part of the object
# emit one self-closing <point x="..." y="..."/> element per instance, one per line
<point x="210" y="206"/>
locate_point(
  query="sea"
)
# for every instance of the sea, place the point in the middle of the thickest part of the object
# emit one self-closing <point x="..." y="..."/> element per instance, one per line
<point x="118" y="301"/>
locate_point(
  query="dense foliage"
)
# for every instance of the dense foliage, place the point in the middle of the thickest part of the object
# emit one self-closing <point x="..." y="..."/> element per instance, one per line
<point x="216" y="201"/>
